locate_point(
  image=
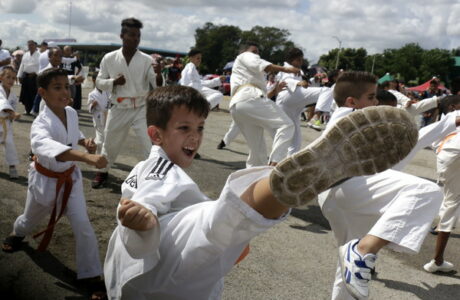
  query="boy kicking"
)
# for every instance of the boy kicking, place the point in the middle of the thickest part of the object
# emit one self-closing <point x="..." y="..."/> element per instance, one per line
<point x="366" y="213"/>
<point x="172" y="242"/>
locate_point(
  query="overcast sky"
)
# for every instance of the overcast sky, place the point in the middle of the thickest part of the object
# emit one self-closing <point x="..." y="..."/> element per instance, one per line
<point x="170" y="24"/>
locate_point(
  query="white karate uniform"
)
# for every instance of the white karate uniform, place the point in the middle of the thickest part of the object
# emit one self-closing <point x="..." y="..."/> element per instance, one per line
<point x="293" y="100"/>
<point x="99" y="113"/>
<point x="231" y="134"/>
<point x="253" y="112"/>
<point x="448" y="168"/>
<point x="191" y="78"/>
<point x="29" y="63"/>
<point x="49" y="138"/>
<point x="197" y="241"/>
<point x="391" y="205"/>
<point x="8" y="103"/>
<point x="326" y="101"/>
<point x="128" y="112"/>
<point x="43" y="60"/>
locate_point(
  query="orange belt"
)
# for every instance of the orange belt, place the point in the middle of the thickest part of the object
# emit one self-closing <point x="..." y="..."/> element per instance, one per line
<point x="63" y="178"/>
<point x="243" y="255"/>
<point x="133" y="100"/>
<point x="448" y="137"/>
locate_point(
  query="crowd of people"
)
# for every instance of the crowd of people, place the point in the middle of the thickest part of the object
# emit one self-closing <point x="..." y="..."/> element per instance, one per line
<point x="171" y="241"/>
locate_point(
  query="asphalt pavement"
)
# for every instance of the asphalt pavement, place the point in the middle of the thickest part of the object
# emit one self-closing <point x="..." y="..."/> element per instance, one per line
<point x="294" y="260"/>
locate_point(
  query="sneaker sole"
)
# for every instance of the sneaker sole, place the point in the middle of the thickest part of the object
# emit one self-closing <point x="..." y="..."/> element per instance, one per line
<point x="354" y="292"/>
<point x="365" y="142"/>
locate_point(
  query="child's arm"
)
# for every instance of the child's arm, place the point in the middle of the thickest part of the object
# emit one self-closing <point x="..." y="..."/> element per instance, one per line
<point x="135" y="216"/>
<point x="98" y="161"/>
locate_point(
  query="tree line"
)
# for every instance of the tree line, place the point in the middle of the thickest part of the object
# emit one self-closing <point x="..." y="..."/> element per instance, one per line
<point x="411" y="63"/>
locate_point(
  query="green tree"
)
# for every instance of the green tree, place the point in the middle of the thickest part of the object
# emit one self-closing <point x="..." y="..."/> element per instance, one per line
<point x="219" y="45"/>
<point x="349" y="59"/>
<point x="436" y="62"/>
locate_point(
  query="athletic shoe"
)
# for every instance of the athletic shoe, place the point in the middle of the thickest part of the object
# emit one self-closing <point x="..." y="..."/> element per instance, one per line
<point x="433" y="230"/>
<point x="100" y="180"/>
<point x="356" y="269"/>
<point x="365" y="142"/>
<point x="221" y="145"/>
<point x="317" y="125"/>
<point x="13" y="173"/>
<point x="432" y="267"/>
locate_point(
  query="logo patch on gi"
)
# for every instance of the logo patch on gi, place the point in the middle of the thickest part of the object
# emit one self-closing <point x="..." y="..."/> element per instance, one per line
<point x="160" y="169"/>
<point x="132" y="181"/>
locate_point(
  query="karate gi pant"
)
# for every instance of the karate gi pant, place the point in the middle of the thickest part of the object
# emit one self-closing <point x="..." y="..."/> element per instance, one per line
<point x="293" y="105"/>
<point x="199" y="246"/>
<point x="450" y="207"/>
<point x="255" y="115"/>
<point x="35" y="211"/>
<point x="231" y="134"/>
<point x="99" y="130"/>
<point x="214" y="97"/>
<point x="11" y="155"/>
<point x="119" y="121"/>
<point x="391" y="205"/>
<point x="28" y="91"/>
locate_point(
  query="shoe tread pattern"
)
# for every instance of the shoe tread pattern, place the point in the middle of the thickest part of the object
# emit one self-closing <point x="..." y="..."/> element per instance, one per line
<point x="365" y="142"/>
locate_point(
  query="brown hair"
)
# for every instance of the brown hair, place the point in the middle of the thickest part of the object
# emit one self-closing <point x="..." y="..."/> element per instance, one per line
<point x="352" y="84"/>
<point x="162" y="101"/>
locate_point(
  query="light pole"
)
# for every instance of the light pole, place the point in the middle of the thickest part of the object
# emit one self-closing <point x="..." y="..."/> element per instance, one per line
<point x="70" y="17"/>
<point x="338" y="52"/>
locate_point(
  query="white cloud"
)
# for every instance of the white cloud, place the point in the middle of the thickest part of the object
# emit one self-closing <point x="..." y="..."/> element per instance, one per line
<point x="18" y="6"/>
<point x="171" y="24"/>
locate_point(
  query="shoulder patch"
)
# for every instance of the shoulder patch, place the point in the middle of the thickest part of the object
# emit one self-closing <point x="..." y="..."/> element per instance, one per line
<point x="161" y="168"/>
<point x="132" y="181"/>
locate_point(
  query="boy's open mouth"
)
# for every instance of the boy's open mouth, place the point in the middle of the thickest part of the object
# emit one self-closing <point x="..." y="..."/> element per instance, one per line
<point x="188" y="151"/>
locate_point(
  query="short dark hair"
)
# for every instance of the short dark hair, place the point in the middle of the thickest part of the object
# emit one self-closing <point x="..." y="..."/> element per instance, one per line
<point x="352" y="84"/>
<point x="31" y="42"/>
<point x="384" y="85"/>
<point x="386" y="98"/>
<point x="162" y="101"/>
<point x="293" y="53"/>
<point x="7" y="68"/>
<point x="44" y="43"/>
<point x="52" y="49"/>
<point x="245" y="45"/>
<point x="44" y="79"/>
<point x="193" y="52"/>
<point x="130" y="23"/>
<point x="448" y="101"/>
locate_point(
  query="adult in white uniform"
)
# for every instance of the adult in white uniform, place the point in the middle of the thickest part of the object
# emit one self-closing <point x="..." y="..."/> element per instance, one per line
<point x="190" y="77"/>
<point x="27" y="75"/>
<point x="253" y="112"/>
<point x="55" y="137"/>
<point x="126" y="74"/>
<point x="366" y="213"/>
<point x="296" y="95"/>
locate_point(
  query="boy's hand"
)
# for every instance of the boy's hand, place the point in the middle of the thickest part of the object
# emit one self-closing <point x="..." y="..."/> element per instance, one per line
<point x="79" y="79"/>
<point x="135" y="216"/>
<point x="16" y="116"/>
<point x="90" y="145"/>
<point x="11" y="115"/>
<point x="96" y="160"/>
<point x="120" y="80"/>
<point x="303" y="84"/>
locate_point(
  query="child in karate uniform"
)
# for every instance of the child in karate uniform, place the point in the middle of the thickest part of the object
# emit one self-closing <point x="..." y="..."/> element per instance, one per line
<point x="366" y="213"/>
<point x="448" y="166"/>
<point x="171" y="242"/>
<point x="8" y="103"/>
<point x="54" y="139"/>
<point x="98" y="105"/>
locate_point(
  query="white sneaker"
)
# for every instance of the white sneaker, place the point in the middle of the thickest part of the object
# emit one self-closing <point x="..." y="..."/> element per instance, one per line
<point x="365" y="142"/>
<point x="356" y="269"/>
<point x="432" y="267"/>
